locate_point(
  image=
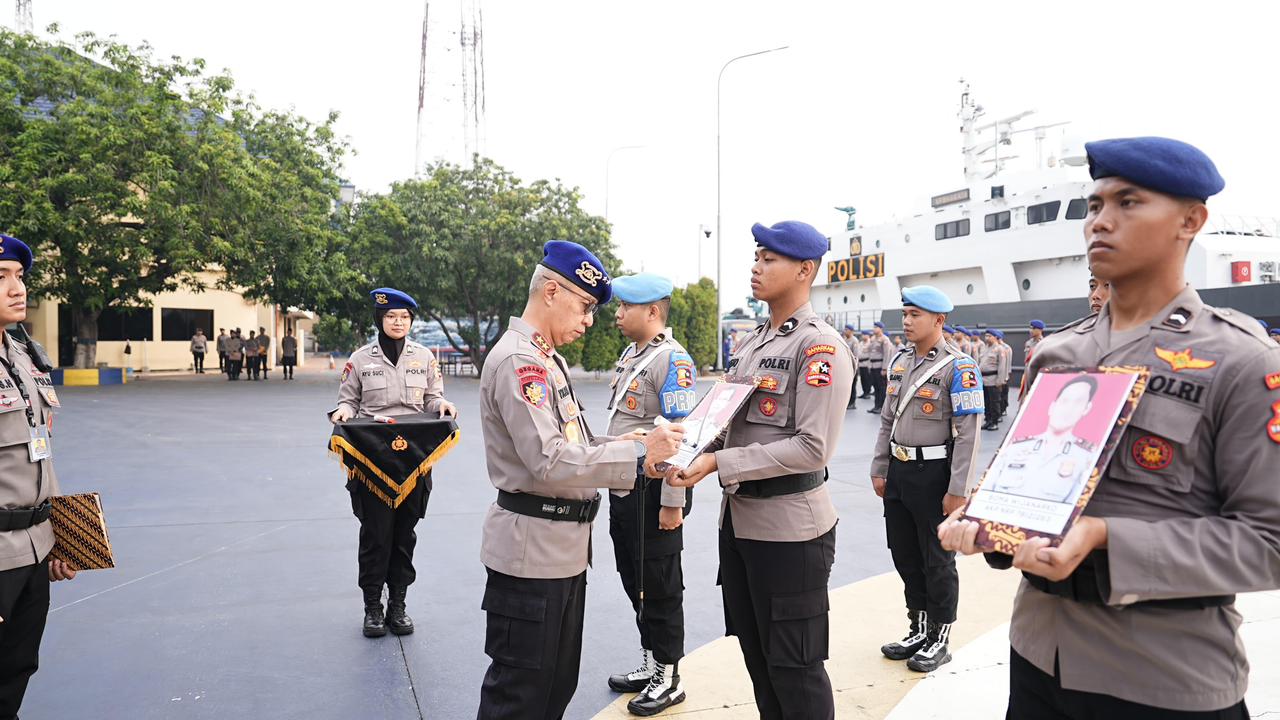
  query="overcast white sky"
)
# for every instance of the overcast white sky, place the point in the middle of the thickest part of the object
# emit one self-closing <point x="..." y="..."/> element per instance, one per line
<point x="861" y="110"/>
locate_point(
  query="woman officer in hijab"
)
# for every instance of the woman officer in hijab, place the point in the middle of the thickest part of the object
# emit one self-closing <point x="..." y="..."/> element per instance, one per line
<point x="390" y="376"/>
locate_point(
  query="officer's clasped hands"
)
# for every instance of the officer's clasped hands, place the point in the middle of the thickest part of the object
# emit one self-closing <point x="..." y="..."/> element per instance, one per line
<point x="663" y="442"/>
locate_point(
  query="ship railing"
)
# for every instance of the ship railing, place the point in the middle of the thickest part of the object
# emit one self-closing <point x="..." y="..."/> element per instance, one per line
<point x="1249" y="225"/>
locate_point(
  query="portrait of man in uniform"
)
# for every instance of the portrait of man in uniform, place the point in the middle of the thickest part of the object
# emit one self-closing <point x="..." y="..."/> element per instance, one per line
<point x="1053" y="464"/>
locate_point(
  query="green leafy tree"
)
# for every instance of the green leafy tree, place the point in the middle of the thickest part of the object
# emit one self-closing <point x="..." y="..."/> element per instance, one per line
<point x="693" y="320"/>
<point x="338" y="333"/>
<point x="601" y="345"/>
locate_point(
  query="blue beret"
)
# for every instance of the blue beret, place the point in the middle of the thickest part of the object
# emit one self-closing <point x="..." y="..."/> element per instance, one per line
<point x="848" y="326"/>
<point x="879" y="324"/>
<point x="386" y="298"/>
<point x="1263" y="323"/>
<point x="577" y="265"/>
<point x="1275" y="331"/>
<point x="962" y="329"/>
<point x="997" y="333"/>
<point x="1168" y="166"/>
<point x="642" y="288"/>
<point x="1037" y="324"/>
<point x="794" y="239"/>
<point x="927" y="298"/>
<point x="948" y="329"/>
<point x="866" y="332"/>
<point x="11" y="248"/>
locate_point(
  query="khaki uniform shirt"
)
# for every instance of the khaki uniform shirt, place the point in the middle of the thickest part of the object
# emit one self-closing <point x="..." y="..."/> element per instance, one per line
<point x="946" y="409"/>
<point x="989" y="364"/>
<point x="371" y="385"/>
<point x="536" y="440"/>
<point x="1192" y="505"/>
<point x="1006" y="362"/>
<point x="24" y="484"/>
<point x="222" y="342"/>
<point x="1028" y="348"/>
<point x="264" y="344"/>
<point x="663" y="386"/>
<point x="879" y="352"/>
<point x="1044" y="467"/>
<point x="199" y="343"/>
<point x="289" y="346"/>
<point x="234" y="345"/>
<point x="790" y="425"/>
<point x="251" y="347"/>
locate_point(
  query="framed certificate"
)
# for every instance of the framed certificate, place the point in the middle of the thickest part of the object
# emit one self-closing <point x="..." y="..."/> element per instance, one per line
<point x="711" y="416"/>
<point x="1050" y="462"/>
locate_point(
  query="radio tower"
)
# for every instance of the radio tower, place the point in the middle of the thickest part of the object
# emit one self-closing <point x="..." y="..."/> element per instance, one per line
<point x="22" y="16"/>
<point x="451" y="104"/>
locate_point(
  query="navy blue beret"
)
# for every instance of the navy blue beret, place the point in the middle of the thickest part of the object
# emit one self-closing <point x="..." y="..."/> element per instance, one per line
<point x="879" y="324"/>
<point x="948" y="329"/>
<point x="792" y="238"/>
<point x="997" y="333"/>
<point x="1168" y="166"/>
<point x="866" y="332"/>
<point x="1263" y="323"/>
<point x="1275" y="331"/>
<point x="849" y="326"/>
<point x="1037" y="324"/>
<point x="386" y="298"/>
<point x="580" y="267"/>
<point x="927" y="298"/>
<point x="11" y="248"/>
<point x="642" y="288"/>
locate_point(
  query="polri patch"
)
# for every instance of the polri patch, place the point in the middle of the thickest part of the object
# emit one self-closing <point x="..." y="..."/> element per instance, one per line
<point x="1152" y="453"/>
<point x="533" y="384"/>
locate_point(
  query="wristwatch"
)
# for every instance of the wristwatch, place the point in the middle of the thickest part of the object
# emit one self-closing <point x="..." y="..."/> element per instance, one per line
<point x="641" y="450"/>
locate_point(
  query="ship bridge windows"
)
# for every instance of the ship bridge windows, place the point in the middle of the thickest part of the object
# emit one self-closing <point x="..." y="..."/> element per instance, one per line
<point x="952" y="229"/>
<point x="1043" y="213"/>
<point x="996" y="221"/>
<point x="1077" y="209"/>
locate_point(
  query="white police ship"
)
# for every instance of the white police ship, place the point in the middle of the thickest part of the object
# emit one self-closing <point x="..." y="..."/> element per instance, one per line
<point x="1008" y="247"/>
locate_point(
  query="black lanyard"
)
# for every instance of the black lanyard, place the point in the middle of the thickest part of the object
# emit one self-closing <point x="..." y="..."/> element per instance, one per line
<point x="22" y="389"/>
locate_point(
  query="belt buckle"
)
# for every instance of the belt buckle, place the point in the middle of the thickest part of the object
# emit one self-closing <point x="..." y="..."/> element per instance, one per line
<point x="901" y="453"/>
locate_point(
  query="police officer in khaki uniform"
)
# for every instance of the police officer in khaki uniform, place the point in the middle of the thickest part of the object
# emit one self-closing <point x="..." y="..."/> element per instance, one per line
<point x="251" y="356"/>
<point x="853" y="340"/>
<point x="1037" y="335"/>
<point x="1006" y="371"/>
<point x="199" y="344"/>
<point x="546" y="465"/>
<point x="924" y="463"/>
<point x="264" y="351"/>
<point x="654" y="378"/>
<point x="1132" y="615"/>
<point x="221" y="346"/>
<point x="864" y="370"/>
<point x="27" y="481"/>
<point x="288" y="354"/>
<point x="235" y="355"/>
<point x="879" y="352"/>
<point x="390" y="376"/>
<point x="989" y="365"/>
<point x="777" y="531"/>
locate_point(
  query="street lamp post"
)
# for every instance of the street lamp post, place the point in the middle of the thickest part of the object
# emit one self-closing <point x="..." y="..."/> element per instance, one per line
<point x="720" y="358"/>
<point x="607" y="165"/>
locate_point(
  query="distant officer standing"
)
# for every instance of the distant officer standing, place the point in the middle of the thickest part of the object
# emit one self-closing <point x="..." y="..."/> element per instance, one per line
<point x="1275" y="334"/>
<point x="546" y="465"/>
<point x="27" y="481"/>
<point x="989" y="366"/>
<point x="777" y="531"/>
<point x="1037" y="335"/>
<point x="924" y="463"/>
<point x="235" y="355"/>
<point x="1006" y="370"/>
<point x="879" y="353"/>
<point x="1132" y="615"/>
<point x="199" y="344"/>
<point x="390" y="376"/>
<point x="288" y="354"/>
<point x="864" y="370"/>
<point x="221" y="347"/>
<point x="264" y="351"/>
<point x="853" y="340"/>
<point x="251" y="355"/>
<point x="654" y="377"/>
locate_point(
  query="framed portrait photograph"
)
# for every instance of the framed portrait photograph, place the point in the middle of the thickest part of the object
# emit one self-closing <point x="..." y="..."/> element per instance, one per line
<point x="1050" y="462"/>
<point x="711" y="416"/>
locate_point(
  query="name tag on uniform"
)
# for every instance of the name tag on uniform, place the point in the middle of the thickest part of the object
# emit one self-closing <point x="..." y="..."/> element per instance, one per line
<point x="38" y="447"/>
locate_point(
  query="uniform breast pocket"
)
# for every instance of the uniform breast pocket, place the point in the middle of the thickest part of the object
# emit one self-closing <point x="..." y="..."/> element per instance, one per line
<point x="14" y="428"/>
<point x="415" y="388"/>
<point x="373" y="390"/>
<point x="927" y="404"/>
<point x="1155" y="449"/>
<point x="770" y="403"/>
<point x="632" y="401"/>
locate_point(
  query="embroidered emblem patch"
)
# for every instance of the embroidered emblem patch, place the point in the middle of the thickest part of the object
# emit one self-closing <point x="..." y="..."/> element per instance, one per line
<point x="399" y="444"/>
<point x="1273" y="427"/>
<point x="927" y="393"/>
<point x="818" y="374"/>
<point x="1153" y="453"/>
<point x="768" y="406"/>
<point x="346" y="371"/>
<point x="928" y="408"/>
<point x="542" y="344"/>
<point x="814" y="350"/>
<point x="571" y="409"/>
<point x="631" y="403"/>
<point x="684" y="377"/>
<point x="1184" y="360"/>
<point x="634" y="386"/>
<point x="968" y="380"/>
<point x="768" y="382"/>
<point x="533" y="384"/>
<point x="1273" y="381"/>
<point x="589" y="274"/>
<point x="380" y="298"/>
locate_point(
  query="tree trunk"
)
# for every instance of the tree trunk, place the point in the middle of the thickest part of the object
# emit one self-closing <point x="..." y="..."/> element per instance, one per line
<point x="86" y="333"/>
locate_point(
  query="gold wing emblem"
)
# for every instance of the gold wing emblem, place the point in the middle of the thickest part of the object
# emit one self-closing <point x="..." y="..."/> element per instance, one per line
<point x="1183" y="360"/>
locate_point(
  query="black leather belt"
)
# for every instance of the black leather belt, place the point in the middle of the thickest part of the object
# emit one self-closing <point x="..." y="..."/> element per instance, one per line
<point x="23" y="518"/>
<point x="785" y="485"/>
<point x="1082" y="586"/>
<point x="989" y="374"/>
<point x="579" y="511"/>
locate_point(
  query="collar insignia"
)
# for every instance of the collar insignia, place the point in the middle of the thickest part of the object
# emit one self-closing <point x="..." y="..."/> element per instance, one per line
<point x="542" y="344"/>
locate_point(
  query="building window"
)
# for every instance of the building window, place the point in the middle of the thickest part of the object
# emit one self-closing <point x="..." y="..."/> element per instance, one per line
<point x="116" y="323"/>
<point x="1043" y="213"/>
<point x="181" y="324"/>
<point x="953" y="229"/>
<point x="1026" y="283"/>
<point x="996" y="221"/>
<point x="1077" y="209"/>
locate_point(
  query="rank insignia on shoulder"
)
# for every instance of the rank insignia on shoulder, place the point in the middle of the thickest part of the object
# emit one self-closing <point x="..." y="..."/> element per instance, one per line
<point x="542" y="344"/>
<point x="815" y="349"/>
<point x="1183" y="360"/>
<point x="1273" y="381"/>
<point x="1178" y="318"/>
<point x="787" y="326"/>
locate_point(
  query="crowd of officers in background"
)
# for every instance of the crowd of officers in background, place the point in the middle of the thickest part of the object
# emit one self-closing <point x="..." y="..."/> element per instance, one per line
<point x="250" y="356"/>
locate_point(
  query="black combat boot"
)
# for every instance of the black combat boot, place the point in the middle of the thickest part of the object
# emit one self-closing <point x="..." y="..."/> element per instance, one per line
<point x="915" y="639"/>
<point x="374" y="623"/>
<point x="397" y="620"/>
<point x="933" y="655"/>
<point x="637" y="679"/>
<point x="663" y="691"/>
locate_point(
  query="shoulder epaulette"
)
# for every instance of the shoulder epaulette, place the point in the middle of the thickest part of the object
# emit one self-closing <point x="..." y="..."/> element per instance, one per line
<point x="1244" y="322"/>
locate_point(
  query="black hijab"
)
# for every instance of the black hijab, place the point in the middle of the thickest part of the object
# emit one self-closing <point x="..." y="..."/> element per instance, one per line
<point x="391" y="348"/>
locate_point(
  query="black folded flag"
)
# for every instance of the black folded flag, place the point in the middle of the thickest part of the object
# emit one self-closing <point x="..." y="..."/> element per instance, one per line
<point x="390" y="458"/>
